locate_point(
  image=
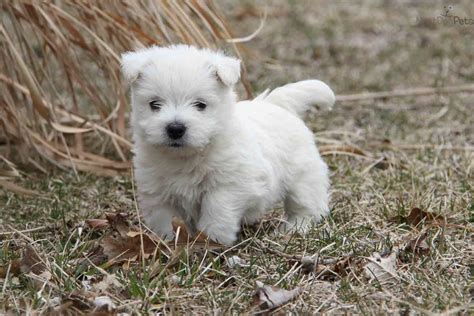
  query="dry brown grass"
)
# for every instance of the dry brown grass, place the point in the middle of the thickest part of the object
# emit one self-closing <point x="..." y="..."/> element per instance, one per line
<point x="62" y="97"/>
<point x="402" y="185"/>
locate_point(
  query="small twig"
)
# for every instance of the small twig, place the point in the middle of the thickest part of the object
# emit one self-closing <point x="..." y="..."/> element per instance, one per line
<point x="23" y="231"/>
<point x="428" y="146"/>
<point x="296" y="266"/>
<point x="343" y="153"/>
<point x="405" y="93"/>
<point x="376" y="162"/>
<point x="135" y="204"/>
<point x="6" y="281"/>
<point x="254" y="34"/>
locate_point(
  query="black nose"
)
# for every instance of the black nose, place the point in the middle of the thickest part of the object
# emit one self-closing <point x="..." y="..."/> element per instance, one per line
<point x="175" y="130"/>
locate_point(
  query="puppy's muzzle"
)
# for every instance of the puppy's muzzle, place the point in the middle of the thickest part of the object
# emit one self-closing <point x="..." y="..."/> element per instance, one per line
<point x="175" y="130"/>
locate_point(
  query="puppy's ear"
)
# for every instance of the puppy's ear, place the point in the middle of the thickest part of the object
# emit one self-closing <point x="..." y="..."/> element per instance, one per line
<point x="228" y="70"/>
<point x="133" y="63"/>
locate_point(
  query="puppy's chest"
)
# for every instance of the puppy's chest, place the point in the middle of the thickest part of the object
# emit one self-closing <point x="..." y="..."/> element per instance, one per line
<point x="185" y="189"/>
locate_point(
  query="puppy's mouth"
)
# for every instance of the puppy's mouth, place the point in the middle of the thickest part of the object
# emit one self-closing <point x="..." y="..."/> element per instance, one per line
<point x="175" y="145"/>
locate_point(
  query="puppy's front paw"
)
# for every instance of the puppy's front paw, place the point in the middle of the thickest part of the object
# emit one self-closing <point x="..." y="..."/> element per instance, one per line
<point x="223" y="239"/>
<point x="220" y="236"/>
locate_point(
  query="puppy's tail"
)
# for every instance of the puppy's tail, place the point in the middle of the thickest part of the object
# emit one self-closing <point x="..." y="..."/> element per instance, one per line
<point x="300" y="96"/>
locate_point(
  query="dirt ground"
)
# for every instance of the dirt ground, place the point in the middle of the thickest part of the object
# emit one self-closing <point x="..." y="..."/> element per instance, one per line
<point x="400" y="235"/>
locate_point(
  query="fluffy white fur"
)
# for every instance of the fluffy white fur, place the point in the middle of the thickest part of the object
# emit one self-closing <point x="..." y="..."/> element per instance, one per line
<point x="236" y="159"/>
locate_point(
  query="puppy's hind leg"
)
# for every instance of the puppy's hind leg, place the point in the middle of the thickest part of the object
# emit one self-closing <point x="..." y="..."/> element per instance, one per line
<point x="306" y="201"/>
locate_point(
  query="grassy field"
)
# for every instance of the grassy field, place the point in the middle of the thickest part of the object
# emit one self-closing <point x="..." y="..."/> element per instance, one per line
<point x="402" y="172"/>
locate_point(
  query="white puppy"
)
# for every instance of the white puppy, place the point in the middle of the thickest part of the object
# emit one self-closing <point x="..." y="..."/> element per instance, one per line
<point x="215" y="162"/>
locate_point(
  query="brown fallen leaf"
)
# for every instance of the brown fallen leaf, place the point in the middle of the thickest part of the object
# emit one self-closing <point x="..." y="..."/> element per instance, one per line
<point x="14" y="269"/>
<point x="119" y="242"/>
<point x="329" y="269"/>
<point x="382" y="269"/>
<point x="419" y="245"/>
<point x="415" y="248"/>
<point x="269" y="297"/>
<point x="417" y="216"/>
<point x="124" y="242"/>
<point x="119" y="248"/>
<point x="118" y="222"/>
<point x="383" y="164"/>
<point x="114" y="220"/>
<point x="31" y="262"/>
<point x="28" y="262"/>
<point x="97" y="223"/>
<point x="341" y="267"/>
<point x="199" y="238"/>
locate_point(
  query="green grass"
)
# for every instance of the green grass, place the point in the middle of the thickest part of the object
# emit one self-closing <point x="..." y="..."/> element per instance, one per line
<point x="368" y="47"/>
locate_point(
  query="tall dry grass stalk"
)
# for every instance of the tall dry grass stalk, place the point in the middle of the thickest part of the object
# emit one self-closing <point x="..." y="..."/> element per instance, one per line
<point x="61" y="96"/>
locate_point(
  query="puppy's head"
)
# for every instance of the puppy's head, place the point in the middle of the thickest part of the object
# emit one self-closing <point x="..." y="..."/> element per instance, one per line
<point x="182" y="97"/>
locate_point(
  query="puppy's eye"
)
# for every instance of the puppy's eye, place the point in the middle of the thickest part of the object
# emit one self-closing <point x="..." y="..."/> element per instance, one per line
<point x="200" y="105"/>
<point x="155" y="105"/>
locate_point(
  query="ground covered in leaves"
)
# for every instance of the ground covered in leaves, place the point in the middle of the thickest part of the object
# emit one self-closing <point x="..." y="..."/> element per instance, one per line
<point x="400" y="236"/>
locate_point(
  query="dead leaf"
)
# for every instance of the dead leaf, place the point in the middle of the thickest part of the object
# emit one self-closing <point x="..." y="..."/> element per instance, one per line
<point x="97" y="223"/>
<point x="199" y="239"/>
<point x="417" y="247"/>
<point x="417" y="216"/>
<point x="31" y="262"/>
<point x="268" y="297"/>
<point x="125" y="242"/>
<point x="95" y="257"/>
<point x="382" y="269"/>
<point x="342" y="266"/>
<point x="14" y="268"/>
<point x="28" y="262"/>
<point x="383" y="164"/>
<point x="69" y="129"/>
<point x="328" y="268"/>
<point x="118" y="247"/>
<point x="118" y="222"/>
<point x="183" y="236"/>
